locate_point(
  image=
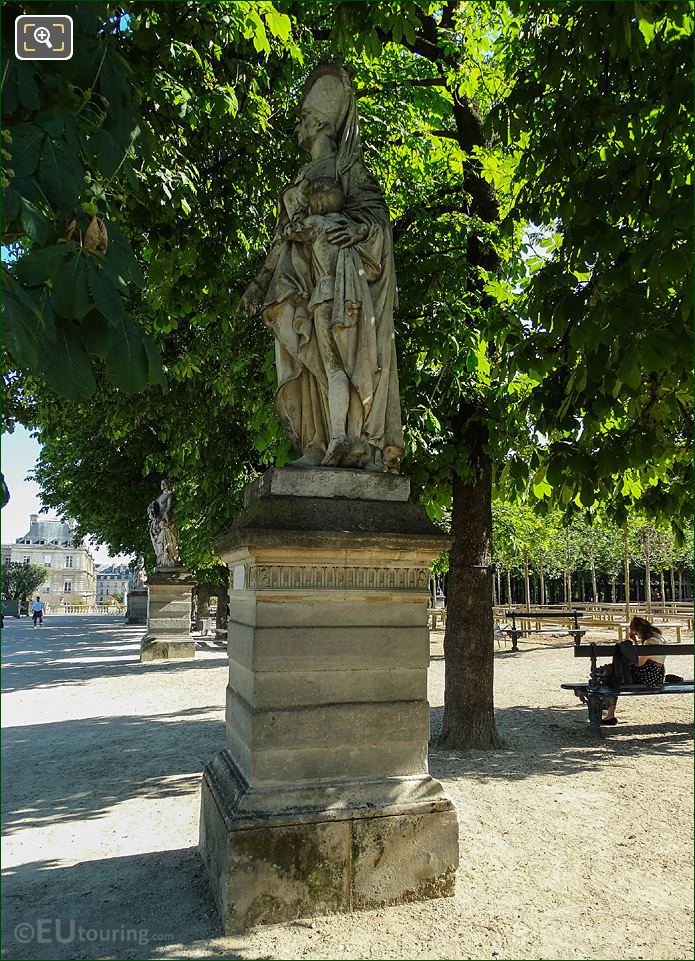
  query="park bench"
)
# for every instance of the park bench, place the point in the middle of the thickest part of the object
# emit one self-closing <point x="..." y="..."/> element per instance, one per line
<point x="435" y="614"/>
<point x="593" y="693"/>
<point x="568" y="619"/>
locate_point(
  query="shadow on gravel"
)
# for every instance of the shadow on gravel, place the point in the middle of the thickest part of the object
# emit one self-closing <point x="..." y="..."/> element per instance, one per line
<point x="90" y="765"/>
<point x="71" y="650"/>
<point x="556" y="742"/>
<point x="140" y="906"/>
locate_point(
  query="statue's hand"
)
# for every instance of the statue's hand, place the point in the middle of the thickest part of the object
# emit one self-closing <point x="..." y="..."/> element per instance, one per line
<point x="298" y="230"/>
<point x="252" y="300"/>
<point x="344" y="236"/>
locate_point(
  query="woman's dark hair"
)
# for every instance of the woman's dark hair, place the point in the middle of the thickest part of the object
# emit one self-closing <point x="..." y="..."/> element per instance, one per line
<point x="645" y="629"/>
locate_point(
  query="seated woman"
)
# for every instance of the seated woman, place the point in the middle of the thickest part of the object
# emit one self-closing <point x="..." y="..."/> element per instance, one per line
<point x="648" y="670"/>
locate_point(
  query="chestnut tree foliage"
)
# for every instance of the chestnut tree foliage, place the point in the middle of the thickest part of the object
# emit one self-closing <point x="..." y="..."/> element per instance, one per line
<point x="536" y="162"/>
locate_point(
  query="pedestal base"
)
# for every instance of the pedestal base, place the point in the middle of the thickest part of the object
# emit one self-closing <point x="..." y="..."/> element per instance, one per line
<point x="321" y="802"/>
<point x="137" y="606"/>
<point x="153" y="649"/>
<point x="277" y="854"/>
<point x="168" y="634"/>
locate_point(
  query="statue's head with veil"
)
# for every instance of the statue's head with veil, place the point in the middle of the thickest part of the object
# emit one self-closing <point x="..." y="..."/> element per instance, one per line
<point x="328" y="291"/>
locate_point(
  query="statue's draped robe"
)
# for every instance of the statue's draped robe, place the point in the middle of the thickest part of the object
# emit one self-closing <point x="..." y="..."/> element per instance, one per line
<point x="363" y="295"/>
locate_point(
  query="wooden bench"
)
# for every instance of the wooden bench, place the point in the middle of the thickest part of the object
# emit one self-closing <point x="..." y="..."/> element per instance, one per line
<point x="593" y="693"/>
<point x="571" y="617"/>
<point x="435" y="614"/>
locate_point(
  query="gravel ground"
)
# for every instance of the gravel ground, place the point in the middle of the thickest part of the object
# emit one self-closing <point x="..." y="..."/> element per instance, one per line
<point x="570" y="848"/>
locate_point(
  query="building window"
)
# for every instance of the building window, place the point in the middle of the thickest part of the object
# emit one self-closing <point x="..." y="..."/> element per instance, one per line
<point x="47" y="588"/>
<point x="68" y="560"/>
<point x="67" y="587"/>
<point x="6" y="559"/>
<point x="47" y="560"/>
<point x="26" y="559"/>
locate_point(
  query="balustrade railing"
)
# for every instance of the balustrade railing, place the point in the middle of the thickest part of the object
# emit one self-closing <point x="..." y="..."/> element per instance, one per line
<point x="86" y="609"/>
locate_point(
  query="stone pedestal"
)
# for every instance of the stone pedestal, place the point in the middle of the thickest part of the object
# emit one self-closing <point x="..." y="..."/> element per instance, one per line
<point x="321" y="801"/>
<point x="137" y="606"/>
<point x="168" y="616"/>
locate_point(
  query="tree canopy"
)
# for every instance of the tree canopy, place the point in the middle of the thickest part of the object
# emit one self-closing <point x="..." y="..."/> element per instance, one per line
<point x="19" y="581"/>
<point x="536" y="161"/>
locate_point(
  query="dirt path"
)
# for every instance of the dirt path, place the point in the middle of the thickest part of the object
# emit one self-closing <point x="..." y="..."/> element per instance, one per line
<point x="569" y="848"/>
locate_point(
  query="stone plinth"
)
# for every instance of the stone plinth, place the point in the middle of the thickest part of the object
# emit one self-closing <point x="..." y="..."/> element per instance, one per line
<point x="321" y="801"/>
<point x="168" y="634"/>
<point x="137" y="606"/>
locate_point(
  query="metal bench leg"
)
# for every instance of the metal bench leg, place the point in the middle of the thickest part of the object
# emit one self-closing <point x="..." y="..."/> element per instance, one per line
<point x="594" y="704"/>
<point x="515" y="637"/>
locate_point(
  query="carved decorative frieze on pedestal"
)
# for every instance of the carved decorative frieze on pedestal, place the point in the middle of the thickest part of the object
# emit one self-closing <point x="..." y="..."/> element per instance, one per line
<point x="321" y="801"/>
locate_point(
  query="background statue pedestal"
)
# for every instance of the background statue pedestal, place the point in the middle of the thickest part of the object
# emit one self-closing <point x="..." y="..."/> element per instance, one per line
<point x="168" y="616"/>
<point x="321" y="802"/>
<point x="137" y="606"/>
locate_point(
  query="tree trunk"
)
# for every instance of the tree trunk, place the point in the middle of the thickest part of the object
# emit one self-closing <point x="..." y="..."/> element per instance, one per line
<point x="673" y="584"/>
<point x="469" y="716"/>
<point x="626" y="567"/>
<point x="509" y="588"/>
<point x="680" y="584"/>
<point x="203" y="594"/>
<point x="499" y="586"/>
<point x="494" y="590"/>
<point x="613" y="591"/>
<point x="594" y="591"/>
<point x="662" y="588"/>
<point x="222" y="603"/>
<point x="647" y="575"/>
<point x="582" y="587"/>
<point x="542" y="580"/>
<point x="527" y="596"/>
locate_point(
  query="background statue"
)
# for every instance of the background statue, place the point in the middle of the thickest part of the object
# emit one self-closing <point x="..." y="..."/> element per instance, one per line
<point x="163" y="533"/>
<point x="328" y="290"/>
<point x="139" y="574"/>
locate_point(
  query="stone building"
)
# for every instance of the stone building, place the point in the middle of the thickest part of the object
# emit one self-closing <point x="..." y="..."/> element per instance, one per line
<point x="50" y="544"/>
<point x="113" y="579"/>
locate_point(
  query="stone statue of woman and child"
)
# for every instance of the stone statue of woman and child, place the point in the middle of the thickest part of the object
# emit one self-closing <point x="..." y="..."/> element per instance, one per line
<point x="328" y="291"/>
<point x="163" y="532"/>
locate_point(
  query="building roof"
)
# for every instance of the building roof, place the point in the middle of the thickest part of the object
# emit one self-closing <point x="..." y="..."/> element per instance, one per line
<point x="49" y="530"/>
<point x="120" y="570"/>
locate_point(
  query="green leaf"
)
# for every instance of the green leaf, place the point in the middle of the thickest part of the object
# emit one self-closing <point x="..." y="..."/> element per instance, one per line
<point x="21" y="324"/>
<point x="279" y="24"/>
<point x="41" y="264"/>
<point x="127" y="363"/>
<point x="26" y="86"/>
<point x="59" y="174"/>
<point x="96" y="335"/>
<point x="120" y="259"/>
<point x="70" y="370"/>
<point x="10" y="205"/>
<point x="106" y="298"/>
<point x="70" y="293"/>
<point x="33" y="221"/>
<point x="26" y="146"/>
<point x="155" y="372"/>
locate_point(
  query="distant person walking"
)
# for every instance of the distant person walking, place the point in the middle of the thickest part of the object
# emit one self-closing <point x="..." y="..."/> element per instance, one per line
<point x="37" y="611"/>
